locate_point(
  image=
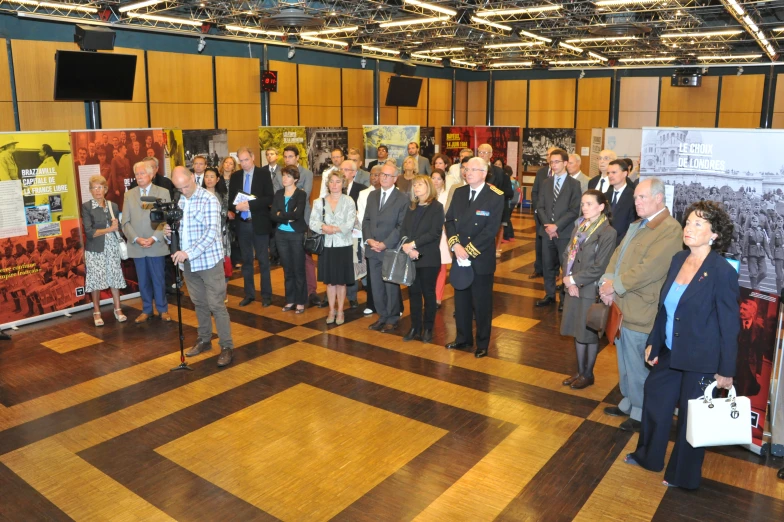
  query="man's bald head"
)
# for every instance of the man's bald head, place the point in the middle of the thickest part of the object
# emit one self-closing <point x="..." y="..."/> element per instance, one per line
<point x="184" y="181"/>
<point x="605" y="157"/>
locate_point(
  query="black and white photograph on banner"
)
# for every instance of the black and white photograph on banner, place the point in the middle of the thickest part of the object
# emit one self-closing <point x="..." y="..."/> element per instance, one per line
<point x="213" y="144"/>
<point x="38" y="215"/>
<point x="56" y="203"/>
<point x="427" y="142"/>
<point x="537" y="141"/>
<point x="703" y="164"/>
<point x="320" y="142"/>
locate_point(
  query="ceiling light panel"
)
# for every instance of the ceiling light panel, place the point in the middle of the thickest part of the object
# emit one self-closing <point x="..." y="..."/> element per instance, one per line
<point x="432" y="7"/>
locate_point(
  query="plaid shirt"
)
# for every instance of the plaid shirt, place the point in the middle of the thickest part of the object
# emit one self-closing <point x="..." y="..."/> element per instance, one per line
<point x="200" y="230"/>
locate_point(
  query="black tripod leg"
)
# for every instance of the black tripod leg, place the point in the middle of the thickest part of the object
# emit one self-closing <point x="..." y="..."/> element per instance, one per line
<point x="183" y="365"/>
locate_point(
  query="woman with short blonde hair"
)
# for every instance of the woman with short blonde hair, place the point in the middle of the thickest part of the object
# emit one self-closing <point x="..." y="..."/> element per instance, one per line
<point x="409" y="172"/>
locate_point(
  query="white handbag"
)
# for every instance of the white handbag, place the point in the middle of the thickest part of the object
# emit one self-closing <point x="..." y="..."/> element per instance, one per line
<point x="718" y="422"/>
<point x="123" y="247"/>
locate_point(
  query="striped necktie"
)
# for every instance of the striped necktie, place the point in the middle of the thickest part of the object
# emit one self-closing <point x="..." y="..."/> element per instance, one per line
<point x="557" y="188"/>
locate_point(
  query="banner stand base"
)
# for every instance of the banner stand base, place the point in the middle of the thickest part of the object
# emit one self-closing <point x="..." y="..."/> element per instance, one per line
<point x="757" y="449"/>
<point x="67" y="312"/>
<point x="777" y="450"/>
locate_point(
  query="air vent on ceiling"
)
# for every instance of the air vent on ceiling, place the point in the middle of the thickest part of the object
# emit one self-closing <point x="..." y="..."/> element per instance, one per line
<point x="292" y="17"/>
<point x="620" y="24"/>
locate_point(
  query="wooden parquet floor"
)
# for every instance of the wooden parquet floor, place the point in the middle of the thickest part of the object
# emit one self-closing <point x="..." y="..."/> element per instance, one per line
<point x="314" y="422"/>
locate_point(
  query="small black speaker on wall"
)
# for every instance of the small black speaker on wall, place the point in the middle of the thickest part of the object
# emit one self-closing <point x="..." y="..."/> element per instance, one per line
<point x="94" y="38"/>
<point x="404" y="69"/>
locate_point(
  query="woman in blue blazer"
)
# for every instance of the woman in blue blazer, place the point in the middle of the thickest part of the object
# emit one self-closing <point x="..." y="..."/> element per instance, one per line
<point x="694" y="340"/>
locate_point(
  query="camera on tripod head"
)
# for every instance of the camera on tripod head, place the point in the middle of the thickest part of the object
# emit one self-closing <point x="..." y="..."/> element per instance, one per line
<point x="165" y="211"/>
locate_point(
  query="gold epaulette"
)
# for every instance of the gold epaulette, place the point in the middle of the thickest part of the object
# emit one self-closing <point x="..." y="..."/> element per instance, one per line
<point x="453" y="240"/>
<point x="496" y="190"/>
<point x="472" y="251"/>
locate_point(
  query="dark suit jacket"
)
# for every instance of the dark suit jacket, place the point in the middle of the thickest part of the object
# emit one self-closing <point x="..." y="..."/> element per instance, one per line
<point x="590" y="262"/>
<point x="426" y="232"/>
<point x="497" y="177"/>
<point x="541" y="175"/>
<point x="372" y="164"/>
<point x="94" y="219"/>
<point x="567" y="206"/>
<point x="356" y="188"/>
<point x="159" y="181"/>
<point x="475" y="225"/>
<point x="624" y="213"/>
<point x="384" y="225"/>
<point x="297" y="205"/>
<point x="594" y="181"/>
<point x="707" y="318"/>
<point x="261" y="187"/>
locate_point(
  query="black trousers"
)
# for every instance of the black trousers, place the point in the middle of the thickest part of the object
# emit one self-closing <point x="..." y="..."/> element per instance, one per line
<point x="476" y="299"/>
<point x="292" y="257"/>
<point x="257" y="244"/>
<point x="386" y="296"/>
<point x="666" y="388"/>
<point x="369" y="291"/>
<point x="424" y="287"/>
<point x="538" y="246"/>
<point x="552" y="253"/>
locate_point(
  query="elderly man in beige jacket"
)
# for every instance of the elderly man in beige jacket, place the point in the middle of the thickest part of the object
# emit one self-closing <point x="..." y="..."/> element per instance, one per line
<point x="634" y="278"/>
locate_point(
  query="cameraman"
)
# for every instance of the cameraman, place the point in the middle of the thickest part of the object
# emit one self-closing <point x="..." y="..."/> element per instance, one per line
<point x="201" y="259"/>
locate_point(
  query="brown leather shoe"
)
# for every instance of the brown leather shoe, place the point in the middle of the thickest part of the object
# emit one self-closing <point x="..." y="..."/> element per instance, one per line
<point x="142" y="318"/>
<point x="199" y="347"/>
<point x="225" y="357"/>
<point x="166" y="317"/>
<point x="388" y="328"/>
<point x="571" y="379"/>
<point x="582" y="382"/>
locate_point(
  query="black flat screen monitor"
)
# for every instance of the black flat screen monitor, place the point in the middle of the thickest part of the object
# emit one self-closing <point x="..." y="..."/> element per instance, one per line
<point x="403" y="92"/>
<point x="94" y="76"/>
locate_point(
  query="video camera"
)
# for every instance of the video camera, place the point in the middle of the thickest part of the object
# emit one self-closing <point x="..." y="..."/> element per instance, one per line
<point x="165" y="211"/>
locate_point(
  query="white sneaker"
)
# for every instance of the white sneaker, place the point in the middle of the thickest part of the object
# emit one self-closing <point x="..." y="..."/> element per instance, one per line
<point x="367" y="311"/>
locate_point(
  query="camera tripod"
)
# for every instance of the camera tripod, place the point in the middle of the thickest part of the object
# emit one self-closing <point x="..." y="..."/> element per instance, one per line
<point x="175" y="246"/>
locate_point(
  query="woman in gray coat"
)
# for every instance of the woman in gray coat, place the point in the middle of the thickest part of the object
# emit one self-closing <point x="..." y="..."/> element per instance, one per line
<point x="584" y="262"/>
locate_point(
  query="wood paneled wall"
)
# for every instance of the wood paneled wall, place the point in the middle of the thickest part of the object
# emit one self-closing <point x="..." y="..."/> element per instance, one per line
<point x="34" y="74"/>
<point x="689" y="106"/>
<point x="238" y="96"/>
<point x="552" y="103"/>
<point x="181" y="90"/>
<point x="461" y="103"/>
<point x="477" y="103"/>
<point x="593" y="108"/>
<point x="741" y="101"/>
<point x="6" y="98"/>
<point x="283" y="104"/>
<point x="319" y="96"/>
<point x="510" y="102"/>
<point x="778" y="104"/>
<point x="439" y="105"/>
<point x="357" y="104"/>
<point x="639" y="102"/>
<point x="132" y="114"/>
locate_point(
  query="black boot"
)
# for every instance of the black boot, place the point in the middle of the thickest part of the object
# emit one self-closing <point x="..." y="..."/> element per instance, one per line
<point x="427" y="336"/>
<point x="412" y="334"/>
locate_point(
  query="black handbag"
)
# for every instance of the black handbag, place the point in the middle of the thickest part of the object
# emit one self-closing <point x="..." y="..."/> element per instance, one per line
<point x="397" y="267"/>
<point x="312" y="241"/>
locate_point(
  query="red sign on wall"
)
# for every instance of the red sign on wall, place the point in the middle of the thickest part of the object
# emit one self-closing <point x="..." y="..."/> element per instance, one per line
<point x="269" y="81"/>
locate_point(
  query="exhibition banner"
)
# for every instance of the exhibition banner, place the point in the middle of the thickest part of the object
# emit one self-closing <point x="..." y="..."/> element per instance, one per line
<point x="505" y="142"/>
<point x="704" y="164"/>
<point x="213" y="144"/>
<point x="281" y="137"/>
<point x="537" y="141"/>
<point x="320" y="142"/>
<point x="427" y="143"/>
<point x="625" y="143"/>
<point x="595" y="151"/>
<point x="41" y="243"/>
<point x="173" y="151"/>
<point x="395" y="137"/>
<point x="455" y="139"/>
<point x="113" y="153"/>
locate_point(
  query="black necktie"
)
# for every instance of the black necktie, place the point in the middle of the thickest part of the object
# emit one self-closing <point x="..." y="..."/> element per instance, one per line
<point x="473" y="195"/>
<point x="614" y="200"/>
<point x="383" y="200"/>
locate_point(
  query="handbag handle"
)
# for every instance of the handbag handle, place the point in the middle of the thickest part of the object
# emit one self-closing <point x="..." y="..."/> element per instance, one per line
<point x="708" y="396"/>
<point x="111" y="213"/>
<point x="400" y="245"/>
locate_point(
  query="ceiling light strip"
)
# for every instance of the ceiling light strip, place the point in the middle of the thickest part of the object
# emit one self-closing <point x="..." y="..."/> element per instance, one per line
<point x="254" y="30"/>
<point x="380" y="50"/>
<point x="535" y="36"/>
<point x="139" y="5"/>
<point x="480" y="20"/>
<point x="731" y="57"/>
<point x="338" y="43"/>
<point x="736" y="7"/>
<point x="420" y="56"/>
<point x="521" y="10"/>
<point x="601" y="39"/>
<point x="616" y="3"/>
<point x="598" y="56"/>
<point x="570" y="47"/>
<point x="511" y="64"/>
<point x="461" y="62"/>
<point x="432" y="7"/>
<point x="704" y="34"/>
<point x="441" y="50"/>
<point x="56" y="5"/>
<point x="513" y="44"/>
<point x="573" y="62"/>
<point x="648" y="59"/>
<point x="335" y="30"/>
<point x="751" y="27"/>
<point x="413" y="21"/>
<point x="166" y="19"/>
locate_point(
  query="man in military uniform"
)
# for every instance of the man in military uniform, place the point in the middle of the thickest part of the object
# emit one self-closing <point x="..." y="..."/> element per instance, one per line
<point x="472" y="222"/>
<point x="778" y="251"/>
<point x="755" y="249"/>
